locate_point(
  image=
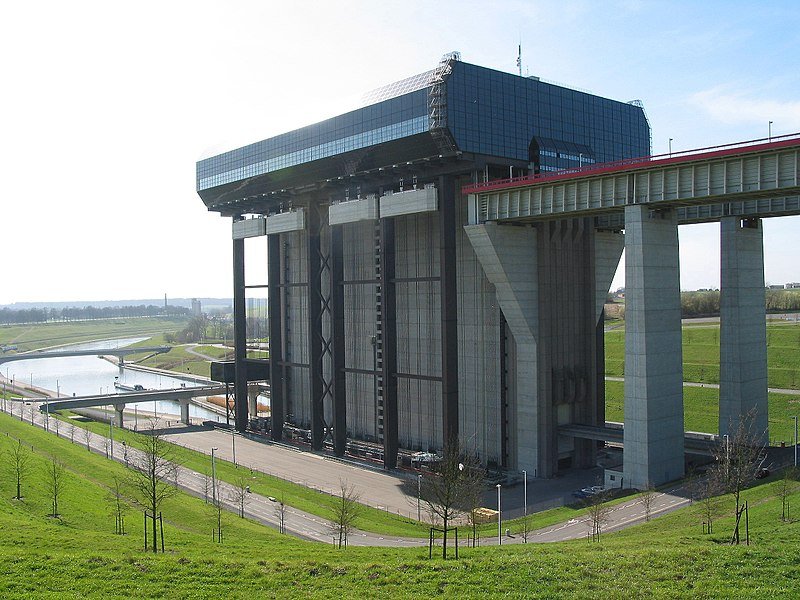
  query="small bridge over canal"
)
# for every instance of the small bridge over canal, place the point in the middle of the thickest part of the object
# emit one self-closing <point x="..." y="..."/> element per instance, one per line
<point x="120" y="353"/>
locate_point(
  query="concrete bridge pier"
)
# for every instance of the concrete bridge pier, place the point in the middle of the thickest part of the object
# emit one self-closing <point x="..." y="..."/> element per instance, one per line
<point x="252" y="400"/>
<point x="119" y="409"/>
<point x="653" y="438"/>
<point x="184" y="411"/>
<point x="743" y="330"/>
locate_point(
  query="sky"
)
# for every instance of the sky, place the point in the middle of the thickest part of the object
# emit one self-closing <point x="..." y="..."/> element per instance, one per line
<point x="107" y="106"/>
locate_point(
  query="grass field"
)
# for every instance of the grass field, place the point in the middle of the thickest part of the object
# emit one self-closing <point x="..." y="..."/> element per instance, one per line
<point x="78" y="555"/>
<point x="313" y="501"/>
<point x="42" y="335"/>
<point x="701" y="410"/>
<point x="701" y="354"/>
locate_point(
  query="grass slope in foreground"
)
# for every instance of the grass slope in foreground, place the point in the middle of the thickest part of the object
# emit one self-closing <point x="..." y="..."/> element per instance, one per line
<point x="79" y="556"/>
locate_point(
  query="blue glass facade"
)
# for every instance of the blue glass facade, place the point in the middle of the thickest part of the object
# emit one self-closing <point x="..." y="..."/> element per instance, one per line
<point x="490" y="114"/>
<point x="385" y="121"/>
<point x="499" y="114"/>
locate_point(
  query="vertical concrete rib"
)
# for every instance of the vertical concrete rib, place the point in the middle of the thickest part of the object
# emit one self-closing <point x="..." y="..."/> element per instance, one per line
<point x="338" y="342"/>
<point x="653" y="438"/>
<point x="449" y="310"/>
<point x="388" y="335"/>
<point x="509" y="259"/>
<point x="239" y="336"/>
<point x="743" y="331"/>
<point x="277" y="408"/>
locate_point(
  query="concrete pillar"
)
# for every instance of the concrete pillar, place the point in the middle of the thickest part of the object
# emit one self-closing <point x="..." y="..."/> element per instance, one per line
<point x="239" y="336"/>
<point x="608" y="246"/>
<point x="743" y="330"/>
<point x="184" y="411"/>
<point x="654" y="433"/>
<point x="509" y="259"/>
<point x="118" y="410"/>
<point x="252" y="400"/>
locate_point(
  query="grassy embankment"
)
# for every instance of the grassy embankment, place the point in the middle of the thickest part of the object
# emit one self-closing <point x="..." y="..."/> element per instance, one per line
<point x="43" y="335"/>
<point x="313" y="501"/>
<point x="701" y="365"/>
<point x="78" y="555"/>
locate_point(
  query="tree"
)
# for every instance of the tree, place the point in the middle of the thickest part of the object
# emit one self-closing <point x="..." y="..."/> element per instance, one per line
<point x="646" y="499"/>
<point x="454" y="488"/>
<point x="56" y="479"/>
<point x="785" y="487"/>
<point x="87" y="436"/>
<point x="240" y="494"/>
<point x="344" y="512"/>
<point x="598" y="513"/>
<point x="19" y="459"/>
<point x="119" y="507"/>
<point x="738" y="460"/>
<point x="154" y="466"/>
<point x="707" y="491"/>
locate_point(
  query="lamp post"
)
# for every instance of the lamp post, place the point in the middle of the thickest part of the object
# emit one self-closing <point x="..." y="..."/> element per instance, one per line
<point x="499" y="519"/>
<point x="214" y="476"/>
<point x="795" y="440"/>
<point x="111" y="432"/>
<point x="419" y="494"/>
<point x="233" y="444"/>
<point x="525" y="493"/>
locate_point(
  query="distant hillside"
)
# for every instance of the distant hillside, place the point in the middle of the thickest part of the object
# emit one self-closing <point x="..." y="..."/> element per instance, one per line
<point x="207" y="303"/>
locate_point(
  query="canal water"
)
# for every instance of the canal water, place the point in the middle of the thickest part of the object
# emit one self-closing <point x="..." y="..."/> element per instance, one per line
<point x="89" y="375"/>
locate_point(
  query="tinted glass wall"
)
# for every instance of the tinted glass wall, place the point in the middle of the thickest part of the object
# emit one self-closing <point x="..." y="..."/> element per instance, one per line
<point x="498" y="114"/>
<point x="388" y="120"/>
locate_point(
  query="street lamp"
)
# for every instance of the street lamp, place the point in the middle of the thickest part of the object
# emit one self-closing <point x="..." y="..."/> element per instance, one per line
<point x="419" y="491"/>
<point x="499" y="519"/>
<point x="525" y="487"/>
<point x="111" y="432"/>
<point x="233" y="444"/>
<point x="727" y="454"/>
<point x="214" y="476"/>
<point x="795" y="440"/>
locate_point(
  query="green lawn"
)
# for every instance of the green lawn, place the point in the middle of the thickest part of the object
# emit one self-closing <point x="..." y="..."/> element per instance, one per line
<point x="701" y="410"/>
<point x="41" y="335"/>
<point x="78" y="555"/>
<point x="701" y="354"/>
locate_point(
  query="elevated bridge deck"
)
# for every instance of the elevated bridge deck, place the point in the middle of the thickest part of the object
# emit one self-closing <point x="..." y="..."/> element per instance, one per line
<point x="703" y="443"/>
<point x="758" y="178"/>
<point x="176" y="394"/>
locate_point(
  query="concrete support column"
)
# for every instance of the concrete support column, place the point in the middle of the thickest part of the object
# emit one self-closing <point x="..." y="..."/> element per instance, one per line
<point x="608" y="247"/>
<point x="274" y="307"/>
<point x="654" y="433"/>
<point x="252" y="400"/>
<point x="509" y="259"/>
<point x="185" y="412"/>
<point x="388" y="339"/>
<point x="119" y="409"/>
<point x="239" y="336"/>
<point x="743" y="330"/>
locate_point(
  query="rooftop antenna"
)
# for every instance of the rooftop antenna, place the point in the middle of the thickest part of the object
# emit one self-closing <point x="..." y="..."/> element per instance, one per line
<point x="519" y="58"/>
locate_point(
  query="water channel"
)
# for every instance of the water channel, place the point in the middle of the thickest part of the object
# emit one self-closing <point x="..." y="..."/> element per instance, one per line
<point x="90" y="375"/>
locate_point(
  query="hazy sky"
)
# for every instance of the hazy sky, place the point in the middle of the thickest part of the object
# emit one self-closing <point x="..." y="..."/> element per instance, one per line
<point x="108" y="105"/>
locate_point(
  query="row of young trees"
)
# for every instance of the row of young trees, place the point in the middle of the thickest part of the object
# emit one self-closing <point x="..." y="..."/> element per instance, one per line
<point x="9" y="316"/>
<point x="706" y="303"/>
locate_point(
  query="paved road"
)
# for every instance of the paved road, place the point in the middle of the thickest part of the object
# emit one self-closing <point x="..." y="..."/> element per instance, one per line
<point x="310" y="527"/>
<point x="715" y="386"/>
